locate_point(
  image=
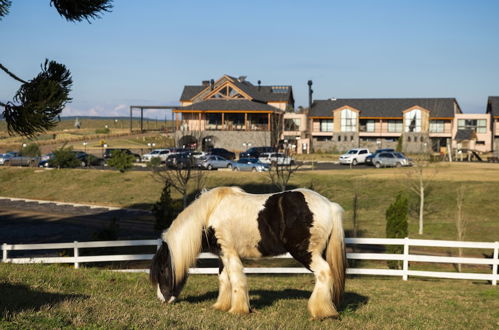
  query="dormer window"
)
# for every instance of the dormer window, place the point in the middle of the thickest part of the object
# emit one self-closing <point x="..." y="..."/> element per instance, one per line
<point x="412" y="121"/>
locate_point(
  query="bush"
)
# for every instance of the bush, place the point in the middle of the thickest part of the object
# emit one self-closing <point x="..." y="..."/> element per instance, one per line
<point x="166" y="209"/>
<point x="396" y="227"/>
<point x="154" y="163"/>
<point x="31" y="150"/>
<point x="64" y="158"/>
<point x="120" y="160"/>
<point x="102" y="131"/>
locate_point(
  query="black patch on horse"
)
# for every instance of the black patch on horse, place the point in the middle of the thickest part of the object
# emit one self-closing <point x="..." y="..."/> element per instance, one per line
<point x="210" y="242"/>
<point x="284" y="225"/>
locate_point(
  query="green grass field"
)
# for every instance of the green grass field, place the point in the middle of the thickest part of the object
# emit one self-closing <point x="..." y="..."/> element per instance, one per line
<point x="47" y="297"/>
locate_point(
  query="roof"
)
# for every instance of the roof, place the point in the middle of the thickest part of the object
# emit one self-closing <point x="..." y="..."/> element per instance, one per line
<point x="270" y="93"/>
<point x="465" y="134"/>
<point x="438" y="107"/>
<point x="493" y="105"/>
<point x="228" y="105"/>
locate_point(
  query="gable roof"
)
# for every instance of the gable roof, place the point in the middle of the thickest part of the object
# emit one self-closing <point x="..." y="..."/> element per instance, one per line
<point x="438" y="107"/>
<point x="270" y="93"/>
<point x="228" y="105"/>
<point x="493" y="105"/>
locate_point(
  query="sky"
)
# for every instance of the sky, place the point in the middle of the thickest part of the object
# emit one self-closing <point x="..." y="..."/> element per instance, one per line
<point x="144" y="52"/>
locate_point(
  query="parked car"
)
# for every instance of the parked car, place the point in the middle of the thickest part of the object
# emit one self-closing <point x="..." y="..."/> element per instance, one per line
<point x="6" y="156"/>
<point x="250" y="164"/>
<point x="255" y="152"/>
<point x="88" y="159"/>
<point x="276" y="158"/>
<point x="180" y="160"/>
<point x="391" y="159"/>
<point x="162" y="154"/>
<point x="355" y="156"/>
<point x="45" y="159"/>
<point x="213" y="162"/>
<point x="22" y="161"/>
<point x="370" y="157"/>
<point x="109" y="152"/>
<point x="223" y="153"/>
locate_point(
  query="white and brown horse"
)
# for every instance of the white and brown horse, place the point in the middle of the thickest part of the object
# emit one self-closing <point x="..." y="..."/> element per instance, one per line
<point x="240" y="225"/>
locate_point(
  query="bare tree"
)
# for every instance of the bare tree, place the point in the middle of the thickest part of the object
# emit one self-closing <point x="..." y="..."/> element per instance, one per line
<point x="179" y="178"/>
<point x="419" y="179"/>
<point x="460" y="220"/>
<point x="280" y="174"/>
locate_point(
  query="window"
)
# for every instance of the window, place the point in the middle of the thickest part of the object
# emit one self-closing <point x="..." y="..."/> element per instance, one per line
<point x="367" y="125"/>
<point x="326" y="125"/>
<point x="437" y="126"/>
<point x="292" y="124"/>
<point x="348" y="121"/>
<point x="413" y="121"/>
<point x="478" y="125"/>
<point x="395" y="126"/>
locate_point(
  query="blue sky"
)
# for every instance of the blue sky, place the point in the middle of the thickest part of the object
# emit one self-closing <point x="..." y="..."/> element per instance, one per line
<point x="144" y="52"/>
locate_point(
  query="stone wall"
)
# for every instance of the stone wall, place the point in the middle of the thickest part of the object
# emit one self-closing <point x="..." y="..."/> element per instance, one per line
<point x="416" y="143"/>
<point x="230" y="140"/>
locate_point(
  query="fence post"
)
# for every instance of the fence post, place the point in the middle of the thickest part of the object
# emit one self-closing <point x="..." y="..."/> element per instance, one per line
<point x="76" y="255"/>
<point x="4" y="252"/>
<point x="495" y="258"/>
<point x="405" y="267"/>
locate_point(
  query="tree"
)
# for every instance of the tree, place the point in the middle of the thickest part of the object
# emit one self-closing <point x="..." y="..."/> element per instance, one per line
<point x="64" y="158"/>
<point x="166" y="209"/>
<point x="31" y="150"/>
<point x="121" y="161"/>
<point x="419" y="179"/>
<point x="396" y="227"/>
<point x="280" y="174"/>
<point x="38" y="103"/>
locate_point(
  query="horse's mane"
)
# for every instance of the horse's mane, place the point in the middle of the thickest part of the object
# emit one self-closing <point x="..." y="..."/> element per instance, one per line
<point x="185" y="234"/>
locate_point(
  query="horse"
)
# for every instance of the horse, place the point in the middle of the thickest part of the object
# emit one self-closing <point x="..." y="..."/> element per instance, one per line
<point x="235" y="224"/>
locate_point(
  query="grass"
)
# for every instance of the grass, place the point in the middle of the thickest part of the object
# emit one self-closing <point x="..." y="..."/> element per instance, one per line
<point x="377" y="188"/>
<point x="41" y="296"/>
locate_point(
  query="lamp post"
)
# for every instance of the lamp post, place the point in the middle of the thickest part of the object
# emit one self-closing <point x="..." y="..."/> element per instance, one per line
<point x="104" y="146"/>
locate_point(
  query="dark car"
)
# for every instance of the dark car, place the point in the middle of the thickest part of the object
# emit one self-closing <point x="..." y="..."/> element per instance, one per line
<point x="88" y="159"/>
<point x="369" y="159"/>
<point x="180" y="160"/>
<point x="223" y="153"/>
<point x="109" y="152"/>
<point x="255" y="152"/>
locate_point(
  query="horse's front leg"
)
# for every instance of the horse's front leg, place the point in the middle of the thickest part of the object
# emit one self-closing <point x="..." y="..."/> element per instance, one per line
<point x="239" y="287"/>
<point x="224" y="294"/>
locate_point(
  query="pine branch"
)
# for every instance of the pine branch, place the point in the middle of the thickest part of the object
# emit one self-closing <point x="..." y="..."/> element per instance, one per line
<point x="79" y="10"/>
<point x="11" y="74"/>
<point x="4" y="8"/>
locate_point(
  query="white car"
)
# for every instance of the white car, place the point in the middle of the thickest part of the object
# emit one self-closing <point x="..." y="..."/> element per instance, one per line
<point x="275" y="158"/>
<point x="162" y="154"/>
<point x="355" y="156"/>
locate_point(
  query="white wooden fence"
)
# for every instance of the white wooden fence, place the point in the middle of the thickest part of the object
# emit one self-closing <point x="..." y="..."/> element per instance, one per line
<point x="406" y="257"/>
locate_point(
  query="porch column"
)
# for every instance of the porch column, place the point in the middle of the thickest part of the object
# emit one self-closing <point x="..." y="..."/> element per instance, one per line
<point x="141" y="120"/>
<point x="268" y="121"/>
<point x="199" y="121"/>
<point x="176" y="121"/>
<point x="223" y="121"/>
<point x="246" y="121"/>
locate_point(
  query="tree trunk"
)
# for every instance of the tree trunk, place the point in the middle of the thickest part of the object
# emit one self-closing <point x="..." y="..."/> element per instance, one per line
<point x="421" y="208"/>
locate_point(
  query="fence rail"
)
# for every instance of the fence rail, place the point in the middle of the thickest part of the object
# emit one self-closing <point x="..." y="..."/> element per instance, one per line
<point x="405" y="257"/>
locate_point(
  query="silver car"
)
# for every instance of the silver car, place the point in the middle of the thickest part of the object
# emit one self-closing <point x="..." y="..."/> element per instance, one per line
<point x="250" y="164"/>
<point x="213" y="162"/>
<point x="5" y="157"/>
<point x="391" y="159"/>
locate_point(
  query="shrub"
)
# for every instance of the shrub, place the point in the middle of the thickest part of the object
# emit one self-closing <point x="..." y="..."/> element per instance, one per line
<point x="102" y="131"/>
<point x="166" y="209"/>
<point x="121" y="161"/>
<point x="154" y="163"/>
<point x="396" y="227"/>
<point x="31" y="150"/>
<point x="64" y="158"/>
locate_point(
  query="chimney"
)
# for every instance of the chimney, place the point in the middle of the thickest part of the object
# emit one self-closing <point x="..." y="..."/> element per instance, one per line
<point x="310" y="92"/>
<point x="241" y="78"/>
<point x="205" y="83"/>
<point x="259" y="84"/>
<point x="212" y="84"/>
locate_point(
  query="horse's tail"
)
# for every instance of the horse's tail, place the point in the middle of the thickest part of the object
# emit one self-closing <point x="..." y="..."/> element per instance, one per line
<point x="184" y="237"/>
<point x="335" y="254"/>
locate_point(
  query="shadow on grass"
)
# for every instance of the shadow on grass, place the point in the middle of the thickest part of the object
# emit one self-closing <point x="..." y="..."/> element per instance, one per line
<point x="265" y="298"/>
<point x="17" y="298"/>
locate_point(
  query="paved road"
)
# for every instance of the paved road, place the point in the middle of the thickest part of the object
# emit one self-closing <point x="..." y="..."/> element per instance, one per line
<point x="31" y="222"/>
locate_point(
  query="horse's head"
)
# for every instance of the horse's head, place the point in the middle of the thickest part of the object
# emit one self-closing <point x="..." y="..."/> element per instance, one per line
<point x="162" y="275"/>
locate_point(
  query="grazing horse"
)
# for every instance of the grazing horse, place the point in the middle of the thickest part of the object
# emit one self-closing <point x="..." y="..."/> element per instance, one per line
<point x="236" y="224"/>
